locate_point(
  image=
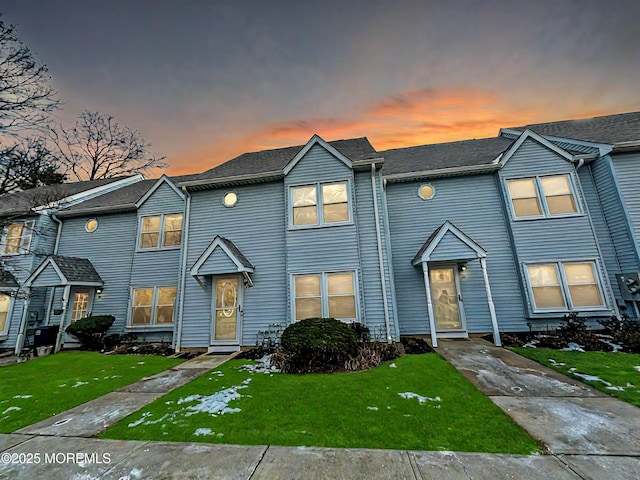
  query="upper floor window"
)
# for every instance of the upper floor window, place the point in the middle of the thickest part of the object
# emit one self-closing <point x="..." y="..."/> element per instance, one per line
<point x="325" y="295"/>
<point x="320" y="204"/>
<point x="565" y="286"/>
<point x="160" y="231"/>
<point x="542" y="197"/>
<point x="153" y="306"/>
<point x="17" y="238"/>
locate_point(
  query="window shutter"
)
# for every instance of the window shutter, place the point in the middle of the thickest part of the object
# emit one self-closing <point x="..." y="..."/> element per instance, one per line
<point x="27" y="234"/>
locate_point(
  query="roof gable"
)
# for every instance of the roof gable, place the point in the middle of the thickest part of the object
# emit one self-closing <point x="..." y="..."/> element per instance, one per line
<point x="57" y="270"/>
<point x="315" y="140"/>
<point x="162" y="180"/>
<point x="220" y="257"/>
<point x="528" y="134"/>
<point x="448" y="242"/>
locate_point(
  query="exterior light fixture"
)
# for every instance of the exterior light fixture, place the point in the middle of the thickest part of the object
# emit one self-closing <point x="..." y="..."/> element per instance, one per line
<point x="99" y="290"/>
<point x="462" y="268"/>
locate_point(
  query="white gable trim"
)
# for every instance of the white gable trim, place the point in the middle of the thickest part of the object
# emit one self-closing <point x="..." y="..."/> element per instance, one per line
<point x="161" y="180"/>
<point x="315" y="140"/>
<point x="36" y="273"/>
<point x="459" y="234"/>
<point x="217" y="242"/>
<point x="538" y="138"/>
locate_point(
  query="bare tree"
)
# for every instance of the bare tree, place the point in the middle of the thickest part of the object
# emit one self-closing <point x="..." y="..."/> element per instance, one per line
<point x="26" y="98"/>
<point x="28" y="164"/>
<point x="98" y="147"/>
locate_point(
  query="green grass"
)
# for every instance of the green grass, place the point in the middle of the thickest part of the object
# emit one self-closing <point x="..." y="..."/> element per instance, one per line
<point x="348" y="410"/>
<point x="53" y="383"/>
<point x="618" y="369"/>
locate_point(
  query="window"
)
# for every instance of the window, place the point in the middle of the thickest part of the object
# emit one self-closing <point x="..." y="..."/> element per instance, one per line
<point x="5" y="301"/>
<point x="162" y="231"/>
<point x="426" y="192"/>
<point x="80" y="306"/>
<point x="565" y="286"/>
<point x="153" y="306"/>
<point x="230" y="199"/>
<point x="320" y="204"/>
<point x="91" y="225"/>
<point x="325" y="295"/>
<point x="542" y="196"/>
<point x="17" y="238"/>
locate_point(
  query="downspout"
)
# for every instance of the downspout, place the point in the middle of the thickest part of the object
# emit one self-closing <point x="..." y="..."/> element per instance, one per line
<point x="183" y="270"/>
<point x="383" y="283"/>
<point x="55" y="252"/>
<point x="392" y="276"/>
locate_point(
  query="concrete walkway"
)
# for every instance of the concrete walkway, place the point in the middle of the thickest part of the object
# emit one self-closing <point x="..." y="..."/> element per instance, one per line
<point x="589" y="435"/>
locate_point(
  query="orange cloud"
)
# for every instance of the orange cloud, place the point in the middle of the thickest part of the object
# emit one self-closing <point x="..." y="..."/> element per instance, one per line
<point x="415" y="117"/>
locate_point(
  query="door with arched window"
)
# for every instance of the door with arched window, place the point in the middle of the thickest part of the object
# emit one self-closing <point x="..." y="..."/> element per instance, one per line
<point x="227" y="294"/>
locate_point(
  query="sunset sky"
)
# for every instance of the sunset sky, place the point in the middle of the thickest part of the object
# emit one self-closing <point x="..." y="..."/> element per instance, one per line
<point x="204" y="81"/>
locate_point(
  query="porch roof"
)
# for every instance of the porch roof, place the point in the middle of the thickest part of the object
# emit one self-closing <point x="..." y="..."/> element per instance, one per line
<point x="220" y="257"/>
<point x="58" y="270"/>
<point x="448" y="242"/>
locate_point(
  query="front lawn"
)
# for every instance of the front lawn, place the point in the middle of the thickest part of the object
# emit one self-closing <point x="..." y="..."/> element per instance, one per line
<point x="43" y="387"/>
<point x="617" y="374"/>
<point x="415" y="402"/>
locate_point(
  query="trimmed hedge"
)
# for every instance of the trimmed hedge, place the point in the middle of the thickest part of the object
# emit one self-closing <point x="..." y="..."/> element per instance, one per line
<point x="318" y="344"/>
<point x="91" y="331"/>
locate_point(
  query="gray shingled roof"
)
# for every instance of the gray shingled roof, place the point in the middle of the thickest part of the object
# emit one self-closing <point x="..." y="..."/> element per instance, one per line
<point x="23" y="202"/>
<point x="443" y="155"/>
<point x="121" y="199"/>
<point x="609" y="129"/>
<point x="76" y="269"/>
<point x="7" y="280"/>
<point x="236" y="251"/>
<point x="265" y="161"/>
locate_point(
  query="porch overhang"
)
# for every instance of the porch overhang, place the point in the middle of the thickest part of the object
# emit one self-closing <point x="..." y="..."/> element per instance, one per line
<point x="8" y="282"/>
<point x="222" y="257"/>
<point x="59" y="271"/>
<point x="449" y="243"/>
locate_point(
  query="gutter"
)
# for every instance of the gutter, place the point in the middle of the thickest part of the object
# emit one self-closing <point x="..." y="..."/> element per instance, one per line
<point x="183" y="270"/>
<point x="88" y="211"/>
<point x="383" y="283"/>
<point x="236" y="178"/>
<point x="626" y="147"/>
<point x="442" y="172"/>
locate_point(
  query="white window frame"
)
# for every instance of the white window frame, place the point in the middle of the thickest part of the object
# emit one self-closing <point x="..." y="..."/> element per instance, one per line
<point x="564" y="286"/>
<point x="154" y="308"/>
<point x="26" y="237"/>
<point x="542" y="199"/>
<point x="159" y="246"/>
<point x="324" y="293"/>
<point x="4" y="332"/>
<point x="320" y="205"/>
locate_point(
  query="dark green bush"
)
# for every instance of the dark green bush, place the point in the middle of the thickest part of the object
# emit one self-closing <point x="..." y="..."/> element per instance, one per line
<point x="362" y="332"/>
<point x="91" y="331"/>
<point x="318" y="345"/>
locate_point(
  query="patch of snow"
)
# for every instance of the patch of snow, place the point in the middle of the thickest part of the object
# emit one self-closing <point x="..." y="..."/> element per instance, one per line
<point x="11" y="409"/>
<point x="62" y="385"/>
<point x="203" y="431"/>
<point x="608" y="340"/>
<point x="594" y="378"/>
<point x="23" y="396"/>
<point x="554" y="363"/>
<point x="617" y="389"/>
<point x="261" y="366"/>
<point x="637" y="368"/>
<point x="218" y="373"/>
<point x="133" y="474"/>
<point x="393" y="365"/>
<point x="573" y="347"/>
<point x="420" y="398"/>
<point x="373" y="408"/>
<point x="140" y="363"/>
<point x="532" y="344"/>
<point x="79" y="383"/>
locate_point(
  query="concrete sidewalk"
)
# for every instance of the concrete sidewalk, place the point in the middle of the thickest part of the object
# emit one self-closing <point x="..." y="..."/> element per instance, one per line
<point x="132" y="460"/>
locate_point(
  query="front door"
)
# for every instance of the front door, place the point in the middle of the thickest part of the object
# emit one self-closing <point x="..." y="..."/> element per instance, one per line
<point x="446" y="299"/>
<point x="226" y="301"/>
<point x="80" y="302"/>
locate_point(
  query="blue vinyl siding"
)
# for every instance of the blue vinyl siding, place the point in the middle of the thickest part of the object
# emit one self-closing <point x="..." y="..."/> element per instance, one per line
<point x="471" y="203"/>
<point x="551" y="239"/>
<point x="47" y="278"/>
<point x="256" y="225"/>
<point x="218" y="263"/>
<point x="627" y="172"/>
<point x="451" y="248"/>
<point x="110" y="249"/>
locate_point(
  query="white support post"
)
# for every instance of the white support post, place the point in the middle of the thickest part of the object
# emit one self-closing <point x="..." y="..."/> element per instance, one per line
<point x="432" y="318"/>
<point x="65" y="303"/>
<point x="22" y="328"/>
<point x="492" y="308"/>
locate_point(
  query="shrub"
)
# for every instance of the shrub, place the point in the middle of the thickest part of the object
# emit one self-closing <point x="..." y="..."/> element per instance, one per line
<point x="362" y="332"/>
<point x="624" y="331"/>
<point x="91" y="331"/>
<point x="318" y="345"/>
